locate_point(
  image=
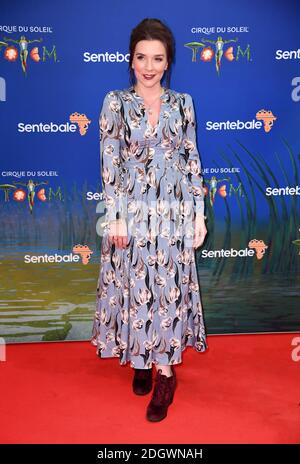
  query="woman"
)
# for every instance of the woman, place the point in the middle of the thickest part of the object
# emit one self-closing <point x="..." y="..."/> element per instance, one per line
<point x="148" y="300"/>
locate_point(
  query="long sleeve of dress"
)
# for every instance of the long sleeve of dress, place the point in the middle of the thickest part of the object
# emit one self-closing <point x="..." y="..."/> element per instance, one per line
<point x="191" y="154"/>
<point x="110" y="126"/>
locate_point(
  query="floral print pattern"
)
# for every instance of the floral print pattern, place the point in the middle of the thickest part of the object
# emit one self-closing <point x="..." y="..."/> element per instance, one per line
<point x="148" y="305"/>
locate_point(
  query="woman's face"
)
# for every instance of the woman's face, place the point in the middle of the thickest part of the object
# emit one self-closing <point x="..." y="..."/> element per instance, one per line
<point x="149" y="62"/>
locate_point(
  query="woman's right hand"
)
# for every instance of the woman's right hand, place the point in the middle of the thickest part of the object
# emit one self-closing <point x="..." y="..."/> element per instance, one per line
<point x="118" y="233"/>
<point x="200" y="230"/>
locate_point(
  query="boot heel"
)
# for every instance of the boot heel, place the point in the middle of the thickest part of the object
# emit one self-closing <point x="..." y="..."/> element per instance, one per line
<point x="174" y="385"/>
<point x="172" y="396"/>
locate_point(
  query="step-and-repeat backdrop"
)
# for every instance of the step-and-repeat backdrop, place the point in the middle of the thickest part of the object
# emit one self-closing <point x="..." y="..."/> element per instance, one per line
<point x="240" y="62"/>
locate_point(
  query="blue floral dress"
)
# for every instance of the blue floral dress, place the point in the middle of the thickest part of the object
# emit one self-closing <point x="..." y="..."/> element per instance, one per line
<point x="148" y="306"/>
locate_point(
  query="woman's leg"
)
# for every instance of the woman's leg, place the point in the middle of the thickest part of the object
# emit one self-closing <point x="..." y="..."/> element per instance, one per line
<point x="165" y="370"/>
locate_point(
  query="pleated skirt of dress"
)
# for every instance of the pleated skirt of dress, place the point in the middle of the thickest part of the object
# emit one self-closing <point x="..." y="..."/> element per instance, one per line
<point x="148" y="303"/>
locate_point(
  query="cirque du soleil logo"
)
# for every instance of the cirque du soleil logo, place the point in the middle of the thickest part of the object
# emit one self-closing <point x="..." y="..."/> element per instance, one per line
<point x="210" y="49"/>
<point x="30" y="190"/>
<point x="19" y="47"/>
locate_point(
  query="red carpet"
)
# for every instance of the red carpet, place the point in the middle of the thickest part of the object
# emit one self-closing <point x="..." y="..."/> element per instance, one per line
<point x="244" y="389"/>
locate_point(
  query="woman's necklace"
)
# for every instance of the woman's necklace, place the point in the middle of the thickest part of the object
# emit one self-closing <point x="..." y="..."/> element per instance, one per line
<point x="149" y="107"/>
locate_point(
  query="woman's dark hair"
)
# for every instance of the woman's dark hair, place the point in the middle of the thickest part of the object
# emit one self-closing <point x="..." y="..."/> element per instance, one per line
<point x="152" y="29"/>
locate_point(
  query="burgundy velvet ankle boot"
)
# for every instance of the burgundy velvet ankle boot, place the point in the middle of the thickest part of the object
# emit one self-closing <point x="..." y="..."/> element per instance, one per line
<point x="142" y="381"/>
<point x="162" y="397"/>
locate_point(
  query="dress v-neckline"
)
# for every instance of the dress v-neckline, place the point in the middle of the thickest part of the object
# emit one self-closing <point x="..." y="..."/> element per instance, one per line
<point x="162" y="97"/>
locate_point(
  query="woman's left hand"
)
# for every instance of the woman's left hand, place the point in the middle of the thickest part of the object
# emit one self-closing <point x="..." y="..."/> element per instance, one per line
<point x="200" y="231"/>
